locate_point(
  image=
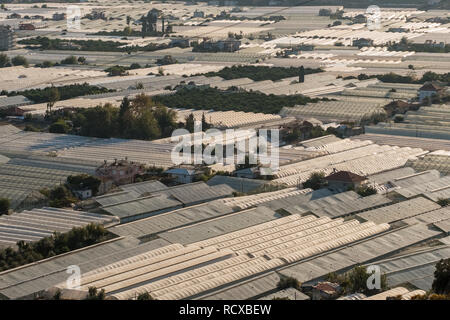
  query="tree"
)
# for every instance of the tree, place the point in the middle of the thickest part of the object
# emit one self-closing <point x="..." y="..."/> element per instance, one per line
<point x="398" y="119"/>
<point x="167" y="120"/>
<point x="365" y="191"/>
<point x="94" y="294"/>
<point x="288" y="282"/>
<point x="70" y="60"/>
<point x="116" y="71"/>
<point x="53" y="97"/>
<point x="205" y="125"/>
<point x="190" y="123"/>
<point x="52" y="245"/>
<point x="167" y="59"/>
<point x="301" y="77"/>
<point x="106" y="115"/>
<point x="123" y="112"/>
<point x="4" y="60"/>
<point x="84" y="181"/>
<point x="135" y="65"/>
<point x="19" y="61"/>
<point x="4" y="206"/>
<point x="443" y="202"/>
<point x="144" y="296"/>
<point x="47" y="64"/>
<point x="316" y="181"/>
<point x="441" y="283"/>
<point x="355" y="280"/>
<point x="57" y="295"/>
<point x="59" y="126"/>
<point x="127" y="31"/>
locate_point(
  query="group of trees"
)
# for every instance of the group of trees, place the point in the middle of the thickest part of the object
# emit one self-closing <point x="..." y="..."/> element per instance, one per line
<point x="405" y="45"/>
<point x="288" y="282"/>
<point x="5" y="61"/>
<point x="396" y="78"/>
<point x="95" y="294"/>
<point x="315" y="181"/>
<point x="121" y="70"/>
<point x="59" y="196"/>
<point x="298" y="133"/>
<point x="64" y="92"/>
<point x="167" y="59"/>
<point x="84" y="181"/>
<point x="355" y="280"/>
<point x="231" y="99"/>
<point x="45" y="43"/>
<point x="260" y="73"/>
<point x="137" y="118"/>
<point x="365" y="191"/>
<point x="68" y="60"/>
<point x="50" y="246"/>
<point x="441" y="283"/>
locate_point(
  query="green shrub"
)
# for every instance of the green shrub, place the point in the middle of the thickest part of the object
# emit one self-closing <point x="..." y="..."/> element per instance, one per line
<point x="4" y="206"/>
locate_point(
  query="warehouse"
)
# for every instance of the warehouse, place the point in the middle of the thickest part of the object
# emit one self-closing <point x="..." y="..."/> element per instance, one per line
<point x="238" y="184"/>
<point x="364" y="161"/>
<point x="437" y="160"/>
<point x="133" y="204"/>
<point x="23" y="176"/>
<point x="39" y="223"/>
<point x="400" y="211"/>
<point x="416" y="269"/>
<point x="435" y="189"/>
<point x="406" y="141"/>
<point x="256" y="232"/>
<point x="123" y="280"/>
<point x="428" y="122"/>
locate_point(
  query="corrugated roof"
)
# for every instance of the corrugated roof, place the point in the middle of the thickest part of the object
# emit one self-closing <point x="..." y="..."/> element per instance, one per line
<point x="238" y="184"/>
<point x="33" y="278"/>
<point x="246" y="290"/>
<point x="289" y="293"/>
<point x="196" y="192"/>
<point x="6" y="102"/>
<point x="400" y="210"/>
<point x="220" y="226"/>
<point x="359" y="253"/>
<point x="144" y="187"/>
<point x="39" y="223"/>
<point x="171" y="220"/>
<point x="415" y="268"/>
<point x="141" y="206"/>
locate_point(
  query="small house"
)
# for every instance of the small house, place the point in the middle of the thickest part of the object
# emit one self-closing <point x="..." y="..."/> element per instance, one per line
<point x="326" y="291"/>
<point x="117" y="173"/>
<point x="344" y="180"/>
<point x="429" y="90"/>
